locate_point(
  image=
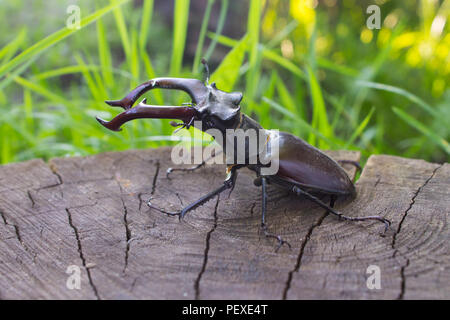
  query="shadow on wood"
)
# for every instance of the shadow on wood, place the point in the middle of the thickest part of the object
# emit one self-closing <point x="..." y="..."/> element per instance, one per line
<point x="90" y="212"/>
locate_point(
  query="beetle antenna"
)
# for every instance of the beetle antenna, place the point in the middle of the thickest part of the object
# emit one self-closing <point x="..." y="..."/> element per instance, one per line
<point x="205" y="64"/>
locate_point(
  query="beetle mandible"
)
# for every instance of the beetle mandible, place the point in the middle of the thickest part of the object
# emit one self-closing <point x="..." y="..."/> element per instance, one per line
<point x="303" y="169"/>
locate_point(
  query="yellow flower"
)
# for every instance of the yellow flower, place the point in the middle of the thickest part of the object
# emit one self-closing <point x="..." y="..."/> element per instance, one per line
<point x="303" y="11"/>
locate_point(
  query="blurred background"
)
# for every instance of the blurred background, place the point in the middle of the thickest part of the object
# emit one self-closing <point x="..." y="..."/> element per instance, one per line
<point x="310" y="67"/>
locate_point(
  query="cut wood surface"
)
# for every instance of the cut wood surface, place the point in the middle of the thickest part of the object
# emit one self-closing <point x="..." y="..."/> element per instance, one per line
<point x="91" y="212"/>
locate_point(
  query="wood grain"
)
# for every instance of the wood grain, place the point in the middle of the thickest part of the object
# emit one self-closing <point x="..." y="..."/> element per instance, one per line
<point x="91" y="212"/>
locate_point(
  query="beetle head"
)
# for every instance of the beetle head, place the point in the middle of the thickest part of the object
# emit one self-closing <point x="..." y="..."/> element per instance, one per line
<point x="214" y="107"/>
<point x="219" y="109"/>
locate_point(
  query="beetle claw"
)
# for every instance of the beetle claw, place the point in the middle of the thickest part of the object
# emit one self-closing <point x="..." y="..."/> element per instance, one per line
<point x="387" y="224"/>
<point x="181" y="215"/>
<point x="177" y="213"/>
<point x="280" y="240"/>
<point x="168" y="172"/>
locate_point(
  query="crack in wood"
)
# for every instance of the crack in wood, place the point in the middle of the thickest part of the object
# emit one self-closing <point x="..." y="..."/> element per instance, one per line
<point x="80" y="251"/>
<point x="133" y="284"/>
<point x="55" y="172"/>
<point x="3" y="218"/>
<point x="377" y="182"/>
<point x="252" y="208"/>
<point x="33" y="203"/>
<point x="140" y="194"/>
<point x="155" y="178"/>
<point x="394" y="237"/>
<point x="47" y="187"/>
<point x="300" y="255"/>
<point x="411" y="246"/>
<point x="127" y="234"/>
<point x="205" y="257"/>
<point x="127" y="227"/>
<point x="18" y="236"/>
<point x="179" y="198"/>
<point x="403" y="281"/>
<point x="15" y="227"/>
<point x="413" y="201"/>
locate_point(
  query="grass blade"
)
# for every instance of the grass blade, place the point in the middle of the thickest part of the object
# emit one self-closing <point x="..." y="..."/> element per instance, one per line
<point x="411" y="97"/>
<point x="123" y="32"/>
<point x="104" y="54"/>
<point x="285" y="63"/>
<point x="305" y="125"/>
<point x="151" y="74"/>
<point x="360" y="129"/>
<point x="423" y="129"/>
<point x="11" y="48"/>
<point x="268" y="54"/>
<point x="220" y="24"/>
<point x="39" y="90"/>
<point x="134" y="58"/>
<point x="55" y="38"/>
<point x="264" y="116"/>
<point x="253" y="26"/>
<point x="6" y="145"/>
<point x="180" y="26"/>
<point x="330" y="65"/>
<point x="319" y="117"/>
<point x="147" y="13"/>
<point x="201" y="37"/>
<point x="28" y="106"/>
<point x="95" y="90"/>
<point x="283" y="34"/>
<point x="227" y="73"/>
<point x="17" y="72"/>
<point x="77" y="69"/>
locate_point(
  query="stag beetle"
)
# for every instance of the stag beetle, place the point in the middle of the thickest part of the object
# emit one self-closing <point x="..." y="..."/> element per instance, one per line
<point x="303" y="169"/>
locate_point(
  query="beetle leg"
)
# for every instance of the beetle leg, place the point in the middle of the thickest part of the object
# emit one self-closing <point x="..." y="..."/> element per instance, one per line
<point x="170" y="170"/>
<point x="193" y="168"/>
<point x="227" y="184"/>
<point x="169" y="213"/>
<point x="299" y="191"/>
<point x="263" y="217"/>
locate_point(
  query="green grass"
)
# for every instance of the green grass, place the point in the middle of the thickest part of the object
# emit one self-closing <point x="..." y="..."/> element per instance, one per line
<point x="180" y="27"/>
<point x="319" y="81"/>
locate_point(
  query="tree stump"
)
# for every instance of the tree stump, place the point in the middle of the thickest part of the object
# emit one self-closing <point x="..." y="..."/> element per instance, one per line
<point x="91" y="213"/>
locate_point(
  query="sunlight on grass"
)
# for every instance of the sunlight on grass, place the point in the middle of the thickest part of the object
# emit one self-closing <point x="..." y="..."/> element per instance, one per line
<point x="307" y="67"/>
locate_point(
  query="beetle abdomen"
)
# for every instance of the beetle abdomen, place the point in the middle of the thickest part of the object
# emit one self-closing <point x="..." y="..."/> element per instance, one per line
<point x="302" y="164"/>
